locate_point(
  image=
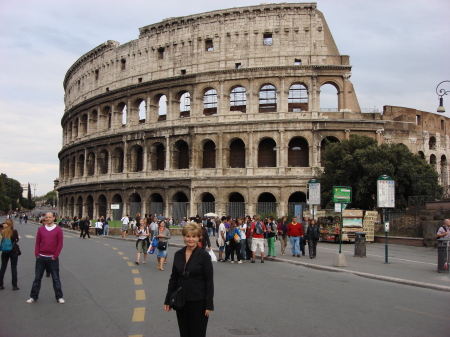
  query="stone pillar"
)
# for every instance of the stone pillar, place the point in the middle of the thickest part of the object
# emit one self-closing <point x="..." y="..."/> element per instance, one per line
<point x="282" y="96"/>
<point x="252" y="97"/>
<point x="168" y="165"/>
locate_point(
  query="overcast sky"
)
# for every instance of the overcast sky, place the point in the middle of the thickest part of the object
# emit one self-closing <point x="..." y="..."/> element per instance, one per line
<point x="399" y="51"/>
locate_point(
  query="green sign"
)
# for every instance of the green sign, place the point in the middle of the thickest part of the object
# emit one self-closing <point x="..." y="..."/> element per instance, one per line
<point x="342" y="194"/>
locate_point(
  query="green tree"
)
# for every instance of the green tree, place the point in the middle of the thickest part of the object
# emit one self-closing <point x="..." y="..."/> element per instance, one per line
<point x="50" y="198"/>
<point x="359" y="161"/>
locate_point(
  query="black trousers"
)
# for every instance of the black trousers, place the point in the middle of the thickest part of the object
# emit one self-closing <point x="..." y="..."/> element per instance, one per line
<point x="14" y="257"/>
<point x="312" y="244"/>
<point x="192" y="321"/>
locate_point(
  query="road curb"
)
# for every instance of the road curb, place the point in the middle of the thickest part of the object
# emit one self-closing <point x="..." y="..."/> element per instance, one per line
<point x="318" y="267"/>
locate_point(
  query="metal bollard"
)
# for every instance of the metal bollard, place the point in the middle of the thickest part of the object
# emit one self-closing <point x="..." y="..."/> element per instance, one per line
<point x="360" y="244"/>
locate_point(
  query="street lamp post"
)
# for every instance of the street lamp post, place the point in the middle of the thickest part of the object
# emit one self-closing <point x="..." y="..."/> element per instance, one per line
<point x="441" y="92"/>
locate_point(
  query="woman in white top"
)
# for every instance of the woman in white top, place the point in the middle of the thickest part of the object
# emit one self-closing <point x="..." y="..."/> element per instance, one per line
<point x="242" y="226"/>
<point x="143" y="241"/>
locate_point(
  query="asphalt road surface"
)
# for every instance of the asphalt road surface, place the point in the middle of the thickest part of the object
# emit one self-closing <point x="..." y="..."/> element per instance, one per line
<point x="108" y="295"/>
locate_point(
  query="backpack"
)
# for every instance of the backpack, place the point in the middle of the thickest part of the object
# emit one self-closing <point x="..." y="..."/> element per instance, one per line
<point x="6" y="245"/>
<point x="258" y="228"/>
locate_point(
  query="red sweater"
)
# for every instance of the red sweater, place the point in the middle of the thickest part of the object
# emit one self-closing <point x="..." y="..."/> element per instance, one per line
<point x="295" y="230"/>
<point x="49" y="243"/>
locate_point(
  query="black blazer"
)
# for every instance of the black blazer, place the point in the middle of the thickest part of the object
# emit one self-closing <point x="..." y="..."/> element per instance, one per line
<point x="201" y="283"/>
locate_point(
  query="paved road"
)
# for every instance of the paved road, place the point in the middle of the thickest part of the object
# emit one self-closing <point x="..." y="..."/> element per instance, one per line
<point x="107" y="295"/>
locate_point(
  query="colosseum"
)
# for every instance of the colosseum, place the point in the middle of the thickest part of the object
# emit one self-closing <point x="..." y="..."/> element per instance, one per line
<point x="218" y="112"/>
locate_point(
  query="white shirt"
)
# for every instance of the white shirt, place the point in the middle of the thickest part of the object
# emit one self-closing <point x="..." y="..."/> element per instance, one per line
<point x="243" y="229"/>
<point x="125" y="220"/>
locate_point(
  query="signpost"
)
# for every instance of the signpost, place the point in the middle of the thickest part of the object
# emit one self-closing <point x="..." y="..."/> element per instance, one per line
<point x="313" y="188"/>
<point x="386" y="199"/>
<point x="343" y="196"/>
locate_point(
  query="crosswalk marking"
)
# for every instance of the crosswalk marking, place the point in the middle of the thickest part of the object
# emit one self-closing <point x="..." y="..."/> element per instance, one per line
<point x="137" y="281"/>
<point x="121" y="253"/>
<point x="139" y="314"/>
<point x="135" y="271"/>
<point x="140" y="295"/>
<point x="125" y="257"/>
<point x="130" y="264"/>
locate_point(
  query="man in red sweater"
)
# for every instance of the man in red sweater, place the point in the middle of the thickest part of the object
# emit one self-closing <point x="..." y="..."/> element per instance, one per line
<point x="295" y="232"/>
<point x="49" y="243"/>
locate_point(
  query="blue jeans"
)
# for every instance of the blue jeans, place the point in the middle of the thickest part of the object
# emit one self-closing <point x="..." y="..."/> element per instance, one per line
<point x="43" y="263"/>
<point x="209" y="229"/>
<point x="106" y="230"/>
<point x="295" y="245"/>
<point x="243" y="246"/>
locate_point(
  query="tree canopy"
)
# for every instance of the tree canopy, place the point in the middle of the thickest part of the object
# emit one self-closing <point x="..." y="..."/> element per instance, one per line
<point x="359" y="161"/>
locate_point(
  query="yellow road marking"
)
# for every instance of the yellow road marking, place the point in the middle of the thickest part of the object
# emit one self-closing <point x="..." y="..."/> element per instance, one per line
<point x="423" y="313"/>
<point x="68" y="236"/>
<point x="135" y="271"/>
<point x="137" y="281"/>
<point x="29" y="236"/>
<point x="130" y="264"/>
<point x="106" y="244"/>
<point x="120" y="253"/>
<point x="125" y="257"/>
<point x="140" y="295"/>
<point x="136" y="336"/>
<point x="115" y="248"/>
<point x="139" y="314"/>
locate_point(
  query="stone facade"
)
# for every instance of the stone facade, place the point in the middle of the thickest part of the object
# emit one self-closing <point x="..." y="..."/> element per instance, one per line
<point x="220" y="112"/>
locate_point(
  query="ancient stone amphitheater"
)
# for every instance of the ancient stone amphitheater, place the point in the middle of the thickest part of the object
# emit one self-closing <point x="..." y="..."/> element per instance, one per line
<point x="217" y="112"/>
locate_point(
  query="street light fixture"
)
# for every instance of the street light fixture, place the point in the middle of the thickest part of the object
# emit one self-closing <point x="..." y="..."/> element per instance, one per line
<point x="440" y="93"/>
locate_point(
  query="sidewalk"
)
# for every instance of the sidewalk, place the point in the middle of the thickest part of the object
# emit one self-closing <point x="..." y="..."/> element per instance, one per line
<point x="414" y="266"/>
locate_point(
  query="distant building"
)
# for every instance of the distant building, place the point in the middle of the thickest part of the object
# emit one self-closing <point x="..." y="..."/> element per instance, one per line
<point x="218" y="112"/>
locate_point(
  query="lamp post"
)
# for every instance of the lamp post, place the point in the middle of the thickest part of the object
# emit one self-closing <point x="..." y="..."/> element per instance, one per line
<point x="441" y="92"/>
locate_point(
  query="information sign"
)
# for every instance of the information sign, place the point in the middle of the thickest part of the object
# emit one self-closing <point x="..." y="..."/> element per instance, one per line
<point x="342" y="194"/>
<point x="314" y="192"/>
<point x="385" y="192"/>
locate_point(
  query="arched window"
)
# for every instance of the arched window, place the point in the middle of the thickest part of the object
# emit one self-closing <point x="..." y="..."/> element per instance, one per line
<point x="162" y="108"/>
<point x="236" y="205"/>
<point x="298" y="152"/>
<point x="72" y="167"/>
<point x="142" y="111"/>
<point x="102" y="206"/>
<point x="267" y="153"/>
<point x="83" y="125"/>
<point x="209" y="155"/>
<point x="185" y="105"/>
<point x="298" y="98"/>
<point x="158" y="157"/>
<point x="118" y="159"/>
<point x="237" y="153"/>
<point x="432" y="143"/>
<point x="75" y="129"/>
<point x="93" y="120"/>
<point x="210" y="102"/>
<point x="238" y="99"/>
<point x="91" y="164"/>
<point x="266" y="203"/>
<point x="268" y="98"/>
<point x="181" y="155"/>
<point x="137" y="159"/>
<point x="80" y="165"/>
<point x="90" y="206"/>
<point x="122" y="109"/>
<point x="328" y="98"/>
<point x="103" y="158"/>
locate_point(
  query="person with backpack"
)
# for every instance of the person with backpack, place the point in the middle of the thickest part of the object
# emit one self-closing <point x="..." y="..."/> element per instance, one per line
<point x="444" y="230"/>
<point x="271" y="235"/>
<point x="10" y="251"/>
<point x="257" y="232"/>
<point x="312" y="236"/>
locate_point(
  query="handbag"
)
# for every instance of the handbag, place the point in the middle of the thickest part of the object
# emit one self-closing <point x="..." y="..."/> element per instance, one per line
<point x="176" y="299"/>
<point x="237" y="238"/>
<point x="162" y="245"/>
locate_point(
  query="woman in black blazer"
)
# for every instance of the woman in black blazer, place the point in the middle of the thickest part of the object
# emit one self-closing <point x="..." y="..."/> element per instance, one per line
<point x="192" y="270"/>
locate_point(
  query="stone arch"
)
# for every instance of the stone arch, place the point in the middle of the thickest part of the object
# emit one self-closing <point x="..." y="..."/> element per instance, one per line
<point x="329" y="96"/>
<point x="157" y="157"/>
<point x="90" y="206"/>
<point x="298" y="98"/>
<point x="267" y="98"/>
<point x="136" y="158"/>
<point x="117" y="213"/>
<point x="80" y="165"/>
<point x="210" y="102"/>
<point x="444" y="171"/>
<point x="267" y="153"/>
<point x="296" y="199"/>
<point x="121" y="112"/>
<point x="67" y="168"/>
<point x="421" y="155"/>
<point x="156" y="204"/>
<point x="106" y="118"/>
<point x="72" y="167"/>
<point x="75" y="128"/>
<point x="181" y="156"/>
<point x="102" y="206"/>
<point x="72" y="207"/>
<point x="93" y="119"/>
<point x="209" y="154"/>
<point x="179" y="206"/>
<point x="207" y="203"/>
<point x="135" y="204"/>
<point x="118" y="160"/>
<point x="236" y="205"/>
<point x="103" y="161"/>
<point x="238" y="99"/>
<point x="433" y="160"/>
<point x="79" y="207"/>
<point x="298" y="152"/>
<point x="432" y="143"/>
<point x="83" y="125"/>
<point x="267" y="203"/>
<point x="140" y="109"/>
<point x="237" y="153"/>
<point x="91" y="163"/>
